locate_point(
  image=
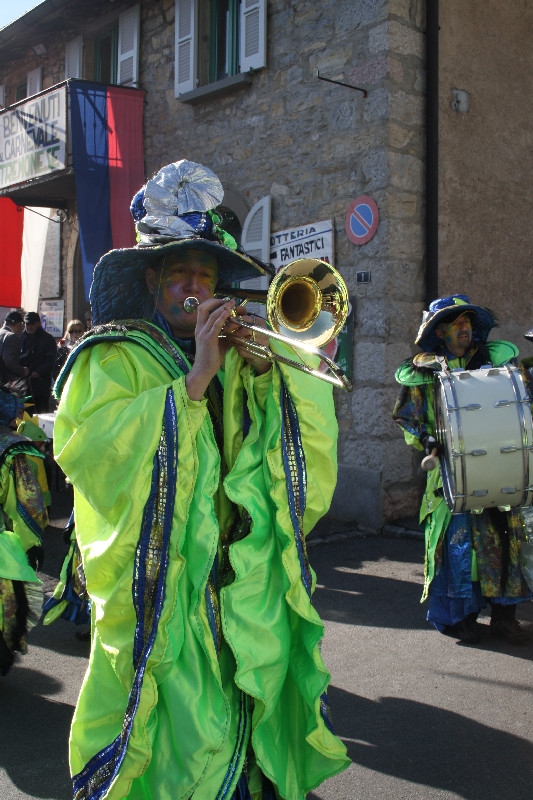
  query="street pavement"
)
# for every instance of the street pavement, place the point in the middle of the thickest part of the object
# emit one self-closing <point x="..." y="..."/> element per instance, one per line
<point x="422" y="717"/>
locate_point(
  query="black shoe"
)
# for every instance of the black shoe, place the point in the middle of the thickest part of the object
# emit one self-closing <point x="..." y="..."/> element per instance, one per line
<point x="83" y="636"/>
<point x="467" y="631"/>
<point x="510" y="630"/>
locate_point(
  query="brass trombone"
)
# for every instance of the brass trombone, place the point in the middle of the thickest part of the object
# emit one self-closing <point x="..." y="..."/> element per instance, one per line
<point x="306" y="307"/>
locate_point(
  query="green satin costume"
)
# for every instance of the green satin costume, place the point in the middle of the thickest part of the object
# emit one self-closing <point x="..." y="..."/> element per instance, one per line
<point x="204" y="660"/>
<point x="22" y="502"/>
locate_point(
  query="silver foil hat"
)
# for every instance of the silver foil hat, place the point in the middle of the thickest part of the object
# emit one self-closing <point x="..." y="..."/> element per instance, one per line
<point x="175" y="209"/>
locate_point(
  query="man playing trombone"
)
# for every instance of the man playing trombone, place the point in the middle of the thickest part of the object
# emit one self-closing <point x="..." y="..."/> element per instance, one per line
<point x="195" y="466"/>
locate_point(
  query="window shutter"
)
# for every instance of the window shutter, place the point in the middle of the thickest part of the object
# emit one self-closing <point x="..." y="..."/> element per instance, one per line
<point x="73" y="64"/>
<point x="128" y="47"/>
<point x="255" y="241"/>
<point x="33" y="81"/>
<point x="2" y="92"/>
<point x="253" y="34"/>
<point x="185" y="47"/>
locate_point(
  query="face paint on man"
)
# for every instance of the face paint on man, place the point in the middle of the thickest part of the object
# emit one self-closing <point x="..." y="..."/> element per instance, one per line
<point x="189" y="273"/>
<point x="456" y="335"/>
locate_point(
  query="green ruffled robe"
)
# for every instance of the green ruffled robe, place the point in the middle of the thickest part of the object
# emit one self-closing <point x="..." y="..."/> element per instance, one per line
<point x="204" y="651"/>
<point x="22" y="502"/>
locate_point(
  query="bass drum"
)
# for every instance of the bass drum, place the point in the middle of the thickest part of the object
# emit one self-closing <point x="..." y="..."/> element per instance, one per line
<point x="484" y="427"/>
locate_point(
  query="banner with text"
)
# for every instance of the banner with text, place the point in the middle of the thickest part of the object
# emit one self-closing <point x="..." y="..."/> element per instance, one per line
<point x="307" y="241"/>
<point x="33" y="138"/>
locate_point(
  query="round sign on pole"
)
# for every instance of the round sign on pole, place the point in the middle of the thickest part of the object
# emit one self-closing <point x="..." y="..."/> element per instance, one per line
<point x="362" y="219"/>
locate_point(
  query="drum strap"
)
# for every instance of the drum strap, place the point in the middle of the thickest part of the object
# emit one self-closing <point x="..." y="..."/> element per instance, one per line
<point x="443" y="364"/>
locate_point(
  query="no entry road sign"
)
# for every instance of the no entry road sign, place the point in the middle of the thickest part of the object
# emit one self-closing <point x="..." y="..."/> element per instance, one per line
<point x="362" y="219"/>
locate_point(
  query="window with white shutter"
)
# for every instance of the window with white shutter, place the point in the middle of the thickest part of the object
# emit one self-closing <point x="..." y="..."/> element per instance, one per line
<point x="216" y="41"/>
<point x="253" y="35"/>
<point x="185" y="46"/>
<point x="73" y="58"/>
<point x="128" y="47"/>
<point x="34" y="81"/>
<point x="255" y="241"/>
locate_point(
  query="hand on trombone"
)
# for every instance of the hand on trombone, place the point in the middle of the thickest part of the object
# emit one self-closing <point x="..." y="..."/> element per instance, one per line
<point x="307" y="306"/>
<point x="217" y="329"/>
<point x="235" y="333"/>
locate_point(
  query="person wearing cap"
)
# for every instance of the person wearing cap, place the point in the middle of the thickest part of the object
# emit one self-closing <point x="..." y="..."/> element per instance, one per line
<point x="198" y="469"/>
<point x="470" y="558"/>
<point x="11" y="368"/>
<point x="38" y="352"/>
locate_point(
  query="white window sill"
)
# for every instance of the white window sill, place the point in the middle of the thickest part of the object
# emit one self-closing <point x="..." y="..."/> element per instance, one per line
<point x="224" y="86"/>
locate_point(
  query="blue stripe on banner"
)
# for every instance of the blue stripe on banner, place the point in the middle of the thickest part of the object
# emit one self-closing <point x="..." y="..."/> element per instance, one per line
<point x="88" y="110"/>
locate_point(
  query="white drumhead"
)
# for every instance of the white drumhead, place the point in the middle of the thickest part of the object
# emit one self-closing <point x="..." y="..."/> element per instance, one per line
<point x="484" y="425"/>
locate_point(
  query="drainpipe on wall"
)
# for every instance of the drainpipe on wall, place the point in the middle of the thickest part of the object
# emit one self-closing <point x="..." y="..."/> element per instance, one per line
<point x="432" y="150"/>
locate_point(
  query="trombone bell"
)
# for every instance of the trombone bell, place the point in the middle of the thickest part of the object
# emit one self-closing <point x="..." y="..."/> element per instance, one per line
<point x="306" y="307"/>
<point x="308" y="300"/>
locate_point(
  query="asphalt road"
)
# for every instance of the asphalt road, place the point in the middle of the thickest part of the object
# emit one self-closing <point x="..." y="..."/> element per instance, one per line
<point x="423" y="718"/>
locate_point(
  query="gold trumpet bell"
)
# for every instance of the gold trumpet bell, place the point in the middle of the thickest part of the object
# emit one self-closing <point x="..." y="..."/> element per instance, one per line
<point x="308" y="301"/>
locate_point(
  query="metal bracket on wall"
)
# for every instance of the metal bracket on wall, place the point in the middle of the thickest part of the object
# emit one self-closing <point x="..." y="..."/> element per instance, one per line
<point x="340" y="83"/>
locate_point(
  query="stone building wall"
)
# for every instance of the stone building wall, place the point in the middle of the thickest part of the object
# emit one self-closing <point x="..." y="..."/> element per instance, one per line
<point x="486" y="158"/>
<point x="314" y="146"/>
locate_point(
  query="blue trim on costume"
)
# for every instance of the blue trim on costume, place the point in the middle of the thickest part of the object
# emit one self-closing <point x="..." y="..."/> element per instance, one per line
<point x="211" y="611"/>
<point x="239" y="754"/>
<point x="246" y="418"/>
<point x="30" y="522"/>
<point x="113" y="333"/>
<point x="76" y="610"/>
<point x="242" y="791"/>
<point x="164" y="474"/>
<point x="295" y="477"/>
<point x="325" y="712"/>
<point x="151" y="563"/>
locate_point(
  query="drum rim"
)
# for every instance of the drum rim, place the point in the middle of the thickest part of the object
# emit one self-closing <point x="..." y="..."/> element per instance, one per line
<point x="455" y="487"/>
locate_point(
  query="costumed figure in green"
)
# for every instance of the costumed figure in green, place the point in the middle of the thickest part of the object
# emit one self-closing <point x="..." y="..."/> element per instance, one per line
<point x="21" y="552"/>
<point x="470" y="558"/>
<point x="198" y="469"/>
<point x="69" y="599"/>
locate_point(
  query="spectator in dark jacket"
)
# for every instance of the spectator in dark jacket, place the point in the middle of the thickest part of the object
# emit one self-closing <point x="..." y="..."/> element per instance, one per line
<point x="10" y="367"/>
<point x="38" y="352"/>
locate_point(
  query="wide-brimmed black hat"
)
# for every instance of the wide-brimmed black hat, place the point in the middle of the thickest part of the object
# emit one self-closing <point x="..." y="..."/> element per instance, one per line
<point x="446" y="309"/>
<point x="175" y="211"/>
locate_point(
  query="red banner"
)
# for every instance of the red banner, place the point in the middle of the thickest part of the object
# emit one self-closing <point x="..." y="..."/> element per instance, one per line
<point x="126" y="159"/>
<point x="11" y="225"/>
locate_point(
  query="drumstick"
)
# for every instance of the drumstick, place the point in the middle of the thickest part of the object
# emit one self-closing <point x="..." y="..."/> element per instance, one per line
<point x="430" y="462"/>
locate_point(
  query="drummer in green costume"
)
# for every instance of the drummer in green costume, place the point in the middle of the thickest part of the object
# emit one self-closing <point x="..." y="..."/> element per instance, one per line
<point x="198" y="470"/>
<point x="21" y="550"/>
<point x="470" y="558"/>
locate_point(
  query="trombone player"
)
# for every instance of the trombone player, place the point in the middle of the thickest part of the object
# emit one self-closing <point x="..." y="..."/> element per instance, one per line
<point x="195" y="466"/>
